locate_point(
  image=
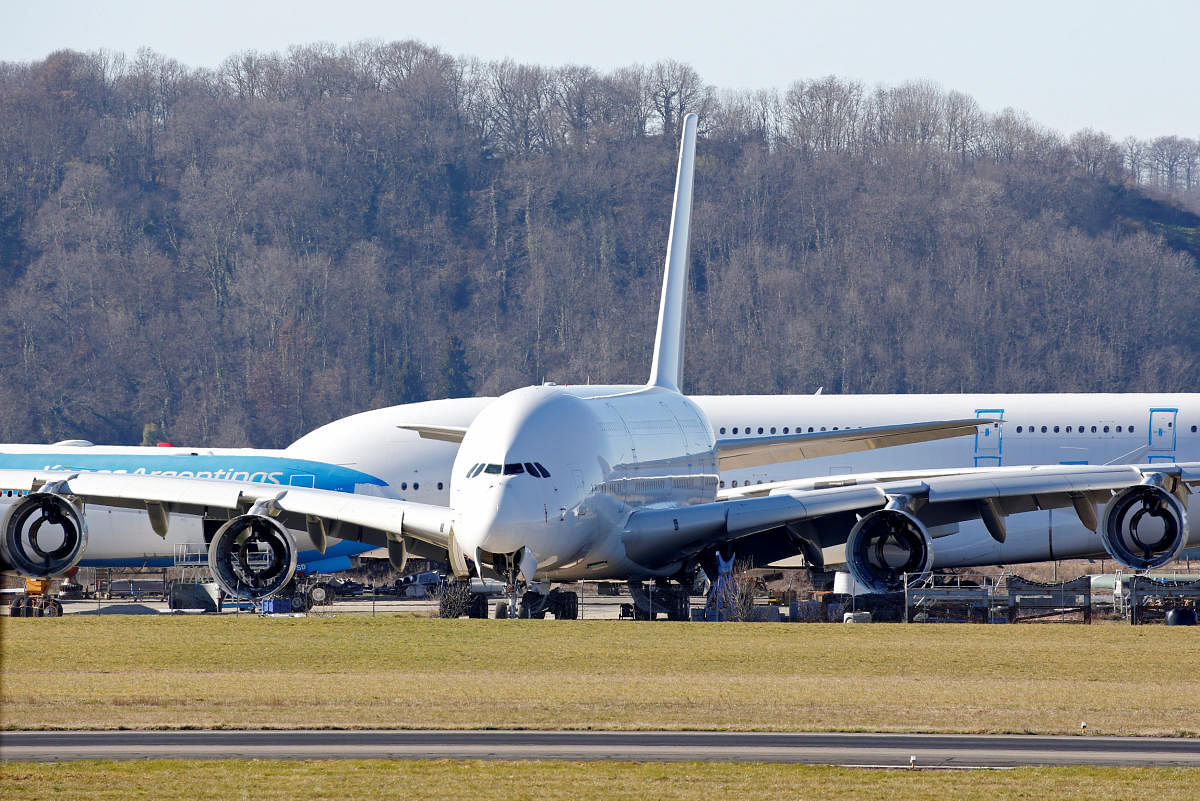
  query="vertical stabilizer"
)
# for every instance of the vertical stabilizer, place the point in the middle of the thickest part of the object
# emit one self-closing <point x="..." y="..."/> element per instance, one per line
<point x="667" y="369"/>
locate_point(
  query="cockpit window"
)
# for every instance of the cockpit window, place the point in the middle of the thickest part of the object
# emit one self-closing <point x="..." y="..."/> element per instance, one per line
<point x="493" y="469"/>
<point x="513" y="468"/>
<point x="531" y="470"/>
<point x="474" y="471"/>
<point x="545" y="473"/>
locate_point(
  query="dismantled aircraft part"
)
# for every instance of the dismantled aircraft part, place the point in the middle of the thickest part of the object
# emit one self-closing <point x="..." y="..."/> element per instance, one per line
<point x="1144" y="527"/>
<point x="44" y="535"/>
<point x="27" y="606"/>
<point x="301" y="601"/>
<point x="885" y="545"/>
<point x="252" y="557"/>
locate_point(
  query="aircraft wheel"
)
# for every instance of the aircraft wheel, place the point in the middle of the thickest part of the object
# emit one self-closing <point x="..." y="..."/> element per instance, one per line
<point x="502" y="610"/>
<point x="478" y="608"/>
<point x="300" y="602"/>
<point x="567" y="607"/>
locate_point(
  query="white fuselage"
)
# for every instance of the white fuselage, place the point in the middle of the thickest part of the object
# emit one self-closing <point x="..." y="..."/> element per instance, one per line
<point x="607" y="450"/>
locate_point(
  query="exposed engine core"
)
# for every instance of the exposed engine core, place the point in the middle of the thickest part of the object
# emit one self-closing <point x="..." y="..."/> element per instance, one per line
<point x="1144" y="527"/>
<point x="44" y="535"/>
<point x="252" y="557"/>
<point x="885" y="545"/>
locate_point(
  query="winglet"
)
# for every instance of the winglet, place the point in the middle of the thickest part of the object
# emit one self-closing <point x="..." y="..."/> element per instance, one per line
<point x="667" y="369"/>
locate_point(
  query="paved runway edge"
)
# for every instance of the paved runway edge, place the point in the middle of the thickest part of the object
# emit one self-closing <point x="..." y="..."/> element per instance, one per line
<point x="899" y="750"/>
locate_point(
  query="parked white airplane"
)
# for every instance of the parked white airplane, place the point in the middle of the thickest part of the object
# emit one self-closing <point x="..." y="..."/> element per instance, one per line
<point x="566" y="483"/>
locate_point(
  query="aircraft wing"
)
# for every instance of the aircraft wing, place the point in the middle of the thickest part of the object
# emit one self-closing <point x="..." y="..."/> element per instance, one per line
<point x="812" y="514"/>
<point x="343" y="515"/>
<point x="755" y="451"/>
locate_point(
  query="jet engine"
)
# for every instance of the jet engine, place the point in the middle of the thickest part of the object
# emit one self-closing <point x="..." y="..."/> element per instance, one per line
<point x="885" y="545"/>
<point x="44" y="535"/>
<point x="1144" y="527"/>
<point x="252" y="557"/>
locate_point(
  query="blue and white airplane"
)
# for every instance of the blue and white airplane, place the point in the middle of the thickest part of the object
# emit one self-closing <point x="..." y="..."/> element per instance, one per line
<point x="640" y="483"/>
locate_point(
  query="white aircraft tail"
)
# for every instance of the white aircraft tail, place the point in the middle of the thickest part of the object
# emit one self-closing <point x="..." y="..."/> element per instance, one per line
<point x="667" y="369"/>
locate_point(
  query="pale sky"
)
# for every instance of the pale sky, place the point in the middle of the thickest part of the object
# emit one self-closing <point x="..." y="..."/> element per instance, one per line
<point x="1121" y="67"/>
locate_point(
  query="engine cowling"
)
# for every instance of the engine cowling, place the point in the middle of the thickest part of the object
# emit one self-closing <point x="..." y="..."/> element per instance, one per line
<point x="252" y="557"/>
<point x="44" y="535"/>
<point x="1144" y="527"/>
<point x="885" y="545"/>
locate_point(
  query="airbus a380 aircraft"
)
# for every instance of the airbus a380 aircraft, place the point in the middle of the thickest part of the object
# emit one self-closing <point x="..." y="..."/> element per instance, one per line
<point x="566" y="483"/>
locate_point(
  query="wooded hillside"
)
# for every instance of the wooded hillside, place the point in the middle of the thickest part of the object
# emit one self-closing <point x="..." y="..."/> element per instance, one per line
<point x="237" y="256"/>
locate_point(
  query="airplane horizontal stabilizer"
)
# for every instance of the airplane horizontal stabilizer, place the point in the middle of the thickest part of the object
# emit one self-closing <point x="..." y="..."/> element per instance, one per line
<point x="453" y="434"/>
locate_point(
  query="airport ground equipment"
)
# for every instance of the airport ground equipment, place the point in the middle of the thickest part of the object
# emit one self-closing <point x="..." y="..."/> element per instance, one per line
<point x="1148" y="599"/>
<point x="1034" y="600"/>
<point x="36" y="601"/>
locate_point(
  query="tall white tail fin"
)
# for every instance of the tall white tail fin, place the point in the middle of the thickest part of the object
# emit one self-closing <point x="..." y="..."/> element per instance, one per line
<point x="667" y="369"/>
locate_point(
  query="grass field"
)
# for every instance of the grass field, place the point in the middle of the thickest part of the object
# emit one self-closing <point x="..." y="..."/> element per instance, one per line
<point x="431" y="781"/>
<point x="343" y="671"/>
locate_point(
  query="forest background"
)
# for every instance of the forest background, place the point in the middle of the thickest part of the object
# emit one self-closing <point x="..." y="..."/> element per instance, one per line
<point x="236" y="256"/>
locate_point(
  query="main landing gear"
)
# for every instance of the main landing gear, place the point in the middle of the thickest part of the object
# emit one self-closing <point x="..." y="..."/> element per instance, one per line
<point x="661" y="597"/>
<point x="563" y="604"/>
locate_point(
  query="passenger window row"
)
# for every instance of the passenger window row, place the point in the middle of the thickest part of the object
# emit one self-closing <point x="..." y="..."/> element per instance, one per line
<point x="1079" y="429"/>
<point x="416" y="485"/>
<point x="750" y="430"/>
<point x="534" y="469"/>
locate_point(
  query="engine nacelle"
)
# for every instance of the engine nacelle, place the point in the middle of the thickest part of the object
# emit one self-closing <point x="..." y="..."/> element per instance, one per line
<point x="252" y="557"/>
<point x="885" y="545"/>
<point x="1144" y="527"/>
<point x="44" y="535"/>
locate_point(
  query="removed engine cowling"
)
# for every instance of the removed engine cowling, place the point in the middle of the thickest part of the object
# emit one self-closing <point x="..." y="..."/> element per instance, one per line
<point x="44" y="535"/>
<point x="1144" y="527"/>
<point x="252" y="557"/>
<point x="885" y="545"/>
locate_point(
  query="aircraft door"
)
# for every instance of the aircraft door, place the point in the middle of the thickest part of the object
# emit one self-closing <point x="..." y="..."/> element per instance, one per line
<point x="989" y="451"/>
<point x="1162" y="434"/>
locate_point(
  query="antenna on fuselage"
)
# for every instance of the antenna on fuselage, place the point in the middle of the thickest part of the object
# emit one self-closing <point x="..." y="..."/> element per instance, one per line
<point x="667" y="369"/>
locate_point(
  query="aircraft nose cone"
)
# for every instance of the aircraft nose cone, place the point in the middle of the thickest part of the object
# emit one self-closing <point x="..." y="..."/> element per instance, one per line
<point x="496" y="521"/>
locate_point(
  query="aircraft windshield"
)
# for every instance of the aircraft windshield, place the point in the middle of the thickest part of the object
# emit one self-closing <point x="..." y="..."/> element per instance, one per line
<point x="534" y="469"/>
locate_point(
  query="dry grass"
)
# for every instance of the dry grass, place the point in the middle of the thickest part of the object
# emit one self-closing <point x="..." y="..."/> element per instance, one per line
<point x="383" y="779"/>
<point x="102" y="672"/>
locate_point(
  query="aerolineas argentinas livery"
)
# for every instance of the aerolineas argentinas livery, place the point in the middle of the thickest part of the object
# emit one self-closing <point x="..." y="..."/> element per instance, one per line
<point x="566" y="483"/>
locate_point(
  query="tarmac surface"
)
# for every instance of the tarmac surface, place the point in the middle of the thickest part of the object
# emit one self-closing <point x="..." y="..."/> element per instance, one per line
<point x="944" y="751"/>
